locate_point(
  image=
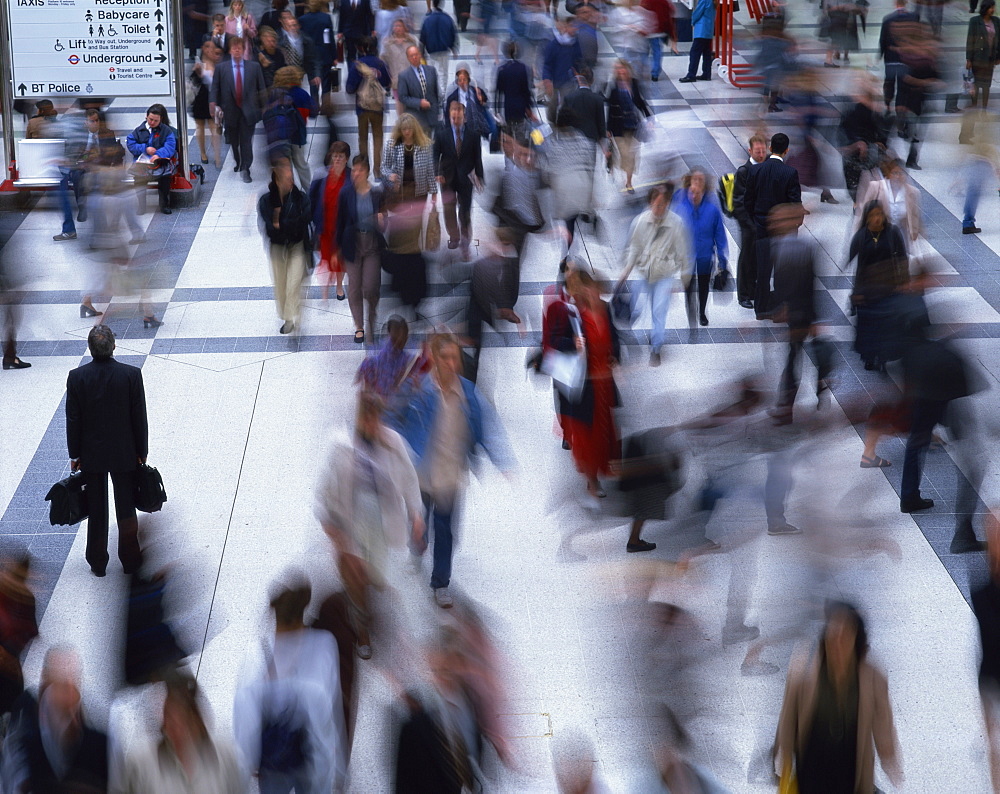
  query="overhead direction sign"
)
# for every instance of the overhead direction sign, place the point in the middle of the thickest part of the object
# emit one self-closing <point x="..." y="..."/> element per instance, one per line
<point x="81" y="47"/>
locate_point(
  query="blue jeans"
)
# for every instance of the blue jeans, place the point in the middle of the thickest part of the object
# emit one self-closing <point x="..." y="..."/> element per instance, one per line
<point x="68" y="227"/>
<point x="655" y="56"/>
<point x="443" y="540"/>
<point x="659" y="302"/>
<point x="976" y="173"/>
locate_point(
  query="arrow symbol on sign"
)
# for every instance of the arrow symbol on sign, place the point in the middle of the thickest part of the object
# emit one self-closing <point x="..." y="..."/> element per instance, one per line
<point x="159" y="44"/>
<point x="22" y="88"/>
<point x="161" y="72"/>
<point x="161" y="58"/>
<point x="159" y="30"/>
<point x="158" y="14"/>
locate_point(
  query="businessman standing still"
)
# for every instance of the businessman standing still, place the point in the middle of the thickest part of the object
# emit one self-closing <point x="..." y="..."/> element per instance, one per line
<point x="107" y="433"/>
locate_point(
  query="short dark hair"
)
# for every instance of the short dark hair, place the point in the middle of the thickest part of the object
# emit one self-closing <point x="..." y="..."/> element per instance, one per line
<point x="664" y="188"/>
<point x="361" y="159"/>
<point x="985" y="6"/>
<point x="337" y="147"/>
<point x="231" y="40"/>
<point x="101" y="341"/>
<point x="779" y="143"/>
<point x="511" y="49"/>
<point x="367" y="45"/>
<point x="455" y="102"/>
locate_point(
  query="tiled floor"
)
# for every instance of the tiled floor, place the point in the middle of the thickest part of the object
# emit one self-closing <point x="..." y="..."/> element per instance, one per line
<point x="239" y="417"/>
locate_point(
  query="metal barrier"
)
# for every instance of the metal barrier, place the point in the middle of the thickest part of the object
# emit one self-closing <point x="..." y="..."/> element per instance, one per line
<point x="741" y="74"/>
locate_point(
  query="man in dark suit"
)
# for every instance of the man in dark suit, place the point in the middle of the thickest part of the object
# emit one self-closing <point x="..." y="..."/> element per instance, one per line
<point x="588" y="107"/>
<point x="418" y="90"/>
<point x="107" y="433"/>
<point x="357" y="21"/>
<point x="458" y="159"/>
<point x="771" y="183"/>
<point x="746" y="277"/>
<point x="238" y="88"/>
<point x="895" y="26"/>
<point x="514" y="83"/>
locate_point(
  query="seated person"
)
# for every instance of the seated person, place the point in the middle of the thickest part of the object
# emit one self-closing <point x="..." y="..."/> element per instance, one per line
<point x="154" y="146"/>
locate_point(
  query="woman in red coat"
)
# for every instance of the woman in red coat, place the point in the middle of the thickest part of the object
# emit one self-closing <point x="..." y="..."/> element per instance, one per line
<point x="324" y="195"/>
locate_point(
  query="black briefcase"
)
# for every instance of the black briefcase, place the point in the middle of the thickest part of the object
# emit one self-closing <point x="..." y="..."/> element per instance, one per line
<point x="68" y="501"/>
<point x="149" y="491"/>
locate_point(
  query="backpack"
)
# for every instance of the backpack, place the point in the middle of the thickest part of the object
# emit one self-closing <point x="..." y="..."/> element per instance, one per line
<point x="284" y="732"/>
<point x="727" y="187"/>
<point x="283" y="123"/>
<point x="371" y="95"/>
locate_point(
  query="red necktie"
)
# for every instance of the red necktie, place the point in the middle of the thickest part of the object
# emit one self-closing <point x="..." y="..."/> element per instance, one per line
<point x="239" y="85"/>
<point x="458" y="140"/>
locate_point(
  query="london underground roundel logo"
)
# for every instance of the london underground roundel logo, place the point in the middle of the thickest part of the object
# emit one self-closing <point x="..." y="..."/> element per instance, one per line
<point x="74" y="59"/>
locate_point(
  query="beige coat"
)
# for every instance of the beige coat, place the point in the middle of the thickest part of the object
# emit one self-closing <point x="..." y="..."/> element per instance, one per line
<point x="876" y="729"/>
<point x="659" y="256"/>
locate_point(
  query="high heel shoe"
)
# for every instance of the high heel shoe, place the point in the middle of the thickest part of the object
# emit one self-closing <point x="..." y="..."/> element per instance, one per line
<point x="151" y="322"/>
<point x="88" y="311"/>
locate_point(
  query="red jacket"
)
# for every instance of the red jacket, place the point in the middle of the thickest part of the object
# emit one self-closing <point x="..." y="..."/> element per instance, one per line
<point x="664" y="12"/>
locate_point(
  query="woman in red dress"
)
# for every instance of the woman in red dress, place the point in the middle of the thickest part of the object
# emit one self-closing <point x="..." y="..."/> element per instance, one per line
<point x="589" y="423"/>
<point x="323" y="196"/>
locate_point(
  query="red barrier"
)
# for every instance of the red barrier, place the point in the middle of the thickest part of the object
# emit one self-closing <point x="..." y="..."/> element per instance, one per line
<point x="740" y="74"/>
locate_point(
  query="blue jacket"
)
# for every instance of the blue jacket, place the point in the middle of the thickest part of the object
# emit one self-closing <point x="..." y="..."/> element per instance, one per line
<point x="355" y="78"/>
<point x="437" y="34"/>
<point x="559" y="61"/>
<point x="703" y="20"/>
<point x="347" y="219"/>
<point x="708" y="233"/>
<point x="485" y="429"/>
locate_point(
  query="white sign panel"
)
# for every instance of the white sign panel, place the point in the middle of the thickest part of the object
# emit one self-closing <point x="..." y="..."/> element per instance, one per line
<point x="81" y="47"/>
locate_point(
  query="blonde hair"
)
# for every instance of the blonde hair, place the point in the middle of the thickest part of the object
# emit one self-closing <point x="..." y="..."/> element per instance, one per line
<point x="288" y="77"/>
<point x="232" y="7"/>
<point x="419" y="136"/>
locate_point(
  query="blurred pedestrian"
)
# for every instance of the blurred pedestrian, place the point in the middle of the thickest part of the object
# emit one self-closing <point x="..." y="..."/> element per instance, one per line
<point x="317" y="27"/>
<point x="703" y="219"/>
<point x="986" y="606"/>
<point x="154" y="147"/>
<point x="702" y="30"/>
<point x="627" y="114"/>
<point x="590" y="421"/>
<point x="982" y="50"/>
<point x="12" y="278"/>
<point x="446" y="421"/>
<point x="393" y="54"/>
<point x="658" y="246"/>
<point x="896" y="28"/>
<point x="921" y="53"/>
<point x="474" y="100"/>
<point x="360" y="226"/>
<point x="773" y="182"/>
<point x="836" y="712"/>
<point x="587" y="106"/>
<point x="51" y="746"/>
<point x="899" y="199"/>
<point x="187" y="757"/>
<point x="981" y="161"/>
<point x="366" y="76"/>
<point x="270" y="56"/>
<point x="517" y="208"/>
<point x="794" y="300"/>
<point x="439" y="41"/>
<point x="324" y="198"/>
<point x="107" y="432"/>
<point x="202" y="73"/>
<point x="18" y="625"/>
<point x="41" y="124"/>
<point x="775" y="60"/>
<point x="493" y="292"/>
<point x="151" y="649"/>
<point x="844" y="18"/>
<point x="559" y="59"/>
<point x="285" y="215"/>
<point x="662" y="27"/>
<point x="514" y="97"/>
<point x="458" y="159"/>
<point x="286" y="120"/>
<point x="288" y="719"/>
<point x="369" y="505"/>
<point x="746" y="276"/>
<point x="567" y="163"/>
<point x="393" y="372"/>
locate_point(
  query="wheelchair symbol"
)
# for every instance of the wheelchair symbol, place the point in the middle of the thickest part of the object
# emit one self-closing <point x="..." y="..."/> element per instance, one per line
<point x="58" y="46"/>
<point x="112" y="31"/>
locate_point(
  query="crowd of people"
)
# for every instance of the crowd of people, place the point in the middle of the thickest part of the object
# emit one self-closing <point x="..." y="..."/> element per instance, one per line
<point x="392" y="486"/>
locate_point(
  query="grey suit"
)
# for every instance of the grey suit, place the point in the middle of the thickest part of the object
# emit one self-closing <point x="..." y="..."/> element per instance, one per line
<point x="410" y="94"/>
<point x="239" y="121"/>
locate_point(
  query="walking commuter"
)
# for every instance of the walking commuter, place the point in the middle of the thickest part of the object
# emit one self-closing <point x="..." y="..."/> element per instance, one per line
<point x="366" y="76"/>
<point x="356" y="21"/>
<point x="703" y="219"/>
<point x="771" y="183"/>
<point x="458" y="159"/>
<point x="107" y="433"/>
<point x="746" y="275"/>
<point x="238" y="89"/>
<point x="324" y="198"/>
<point x="446" y="421"/>
<point x="285" y="215"/>
<point x="659" y="247"/>
<point x="439" y="41"/>
<point x="418" y="91"/>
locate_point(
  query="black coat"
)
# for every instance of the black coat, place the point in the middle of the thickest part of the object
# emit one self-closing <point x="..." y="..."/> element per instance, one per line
<point x="514" y="85"/>
<point x="293" y="219"/>
<point x="739" y="193"/>
<point x="588" y="112"/>
<point x="795" y="280"/>
<point x="771" y="183"/>
<point x="106" y="425"/>
<point x="616" y="109"/>
<point x="457" y="168"/>
<point x="347" y="219"/>
<point x="423" y="760"/>
<point x="356" y="22"/>
<point x="978" y="49"/>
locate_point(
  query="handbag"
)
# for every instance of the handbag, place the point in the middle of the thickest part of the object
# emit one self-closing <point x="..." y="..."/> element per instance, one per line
<point x="432" y="233"/>
<point x="68" y="501"/>
<point x="968" y="82"/>
<point x="623" y="302"/>
<point x="567" y="370"/>
<point x="149" y="491"/>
